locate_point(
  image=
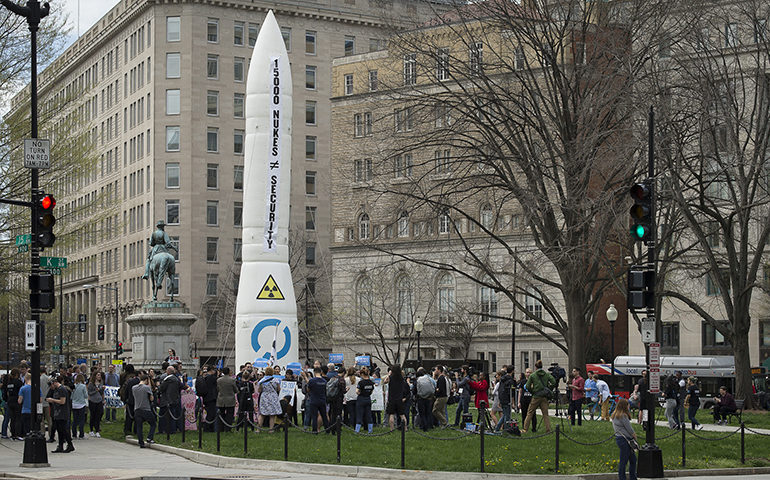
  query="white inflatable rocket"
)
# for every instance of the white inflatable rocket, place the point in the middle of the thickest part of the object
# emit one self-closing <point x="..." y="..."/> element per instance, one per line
<point x="266" y="310"/>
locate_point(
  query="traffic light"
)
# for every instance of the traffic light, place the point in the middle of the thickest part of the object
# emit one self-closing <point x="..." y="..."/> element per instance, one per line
<point x="82" y="324"/>
<point x="56" y="342"/>
<point x="100" y="334"/>
<point x="119" y="349"/>
<point x="42" y="296"/>
<point x="45" y="220"/>
<point x="641" y="288"/>
<point x="15" y="358"/>
<point x="642" y="211"/>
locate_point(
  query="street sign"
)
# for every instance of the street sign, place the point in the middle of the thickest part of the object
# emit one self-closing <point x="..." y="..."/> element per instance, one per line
<point x="25" y="239"/>
<point x="654" y="355"/>
<point x="23" y="248"/>
<point x="648" y="329"/>
<point x="654" y="380"/>
<point x="54" y="271"/>
<point x="53" y="262"/>
<point x="37" y="153"/>
<point x="30" y="340"/>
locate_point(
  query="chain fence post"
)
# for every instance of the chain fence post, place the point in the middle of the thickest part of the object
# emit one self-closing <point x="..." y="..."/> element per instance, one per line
<point x="743" y="445"/>
<point x="684" y="444"/>
<point x="168" y="423"/>
<point x="558" y="431"/>
<point x="482" y="430"/>
<point x="218" y="423"/>
<point x="200" y="427"/>
<point x="244" y="423"/>
<point x="286" y="438"/>
<point x="403" y="444"/>
<point x="184" y="423"/>
<point x="338" y="426"/>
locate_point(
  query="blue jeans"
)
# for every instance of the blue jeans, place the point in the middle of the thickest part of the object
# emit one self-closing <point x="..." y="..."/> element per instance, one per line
<point x="626" y="455"/>
<point x="691" y="414"/>
<point x="78" y="421"/>
<point x="505" y="418"/>
<point x="364" y="413"/>
<point x="462" y="407"/>
<point x="6" y="419"/>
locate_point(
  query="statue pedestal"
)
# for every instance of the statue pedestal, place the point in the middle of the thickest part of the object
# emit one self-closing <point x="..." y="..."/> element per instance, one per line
<point x="157" y="327"/>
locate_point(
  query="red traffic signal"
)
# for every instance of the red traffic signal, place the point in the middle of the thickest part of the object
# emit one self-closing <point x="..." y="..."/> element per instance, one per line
<point x="45" y="220"/>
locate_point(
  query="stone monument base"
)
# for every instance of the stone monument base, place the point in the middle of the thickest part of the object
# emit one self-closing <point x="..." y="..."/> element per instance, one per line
<point x="156" y="327"/>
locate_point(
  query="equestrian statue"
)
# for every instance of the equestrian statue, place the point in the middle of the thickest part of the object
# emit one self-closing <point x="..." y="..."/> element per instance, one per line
<point x="159" y="261"/>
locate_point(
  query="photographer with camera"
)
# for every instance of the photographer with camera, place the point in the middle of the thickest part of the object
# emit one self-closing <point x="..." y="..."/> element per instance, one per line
<point x="541" y="384"/>
<point x="464" y="389"/>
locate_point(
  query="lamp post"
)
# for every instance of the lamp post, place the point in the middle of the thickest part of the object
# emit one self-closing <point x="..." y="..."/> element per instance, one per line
<point x="612" y="315"/>
<point x="117" y="315"/>
<point x="418" y="326"/>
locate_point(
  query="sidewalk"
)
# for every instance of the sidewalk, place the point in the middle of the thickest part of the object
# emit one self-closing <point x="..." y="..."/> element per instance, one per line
<point x="103" y="459"/>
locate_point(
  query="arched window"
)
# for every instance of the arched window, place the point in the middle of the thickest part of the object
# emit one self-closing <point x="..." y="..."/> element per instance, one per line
<point x="446" y="297"/>
<point x="363" y="227"/>
<point x="487" y="216"/>
<point x="403" y="224"/>
<point x="365" y="300"/>
<point x="404" y="298"/>
<point x="488" y="298"/>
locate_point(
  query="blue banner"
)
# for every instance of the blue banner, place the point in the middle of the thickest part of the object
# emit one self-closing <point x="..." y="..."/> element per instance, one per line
<point x="336" y="358"/>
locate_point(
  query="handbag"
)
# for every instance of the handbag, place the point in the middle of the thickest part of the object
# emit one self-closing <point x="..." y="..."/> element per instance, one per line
<point x="631" y="443"/>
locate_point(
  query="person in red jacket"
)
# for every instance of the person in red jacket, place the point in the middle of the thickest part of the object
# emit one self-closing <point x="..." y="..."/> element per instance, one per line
<point x="480" y="387"/>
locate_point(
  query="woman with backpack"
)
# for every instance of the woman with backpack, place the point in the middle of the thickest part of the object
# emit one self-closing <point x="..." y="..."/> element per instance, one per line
<point x="245" y="397"/>
<point x="269" y="403"/>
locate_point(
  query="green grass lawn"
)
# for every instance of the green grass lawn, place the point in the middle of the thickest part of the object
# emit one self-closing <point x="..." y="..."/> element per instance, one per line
<point x="524" y="455"/>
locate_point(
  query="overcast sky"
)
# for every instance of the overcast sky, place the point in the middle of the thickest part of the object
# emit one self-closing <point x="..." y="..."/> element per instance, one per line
<point x="90" y="13"/>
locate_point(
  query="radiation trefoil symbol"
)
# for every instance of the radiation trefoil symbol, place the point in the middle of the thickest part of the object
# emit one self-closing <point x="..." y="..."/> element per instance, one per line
<point x="270" y="323"/>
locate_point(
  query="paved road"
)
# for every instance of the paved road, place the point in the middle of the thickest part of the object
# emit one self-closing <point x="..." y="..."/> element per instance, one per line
<point x="103" y="459"/>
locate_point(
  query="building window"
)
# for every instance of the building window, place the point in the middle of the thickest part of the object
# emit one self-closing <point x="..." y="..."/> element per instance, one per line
<point x="212" y="249"/>
<point x="403" y="224"/>
<point x="442" y="64"/>
<point x="238" y="100"/>
<point x="476" y="58"/>
<point x="310" y="254"/>
<point x="310" y="148"/>
<point x="172" y="139"/>
<point x="349" y="84"/>
<point x="444" y="224"/>
<point x="310" y="218"/>
<point x="368" y="123"/>
<point x="442" y="162"/>
<point x="670" y="342"/>
<point x="211" y="284"/>
<point x="310" y="71"/>
<point x="212" y="212"/>
<point x="310" y="42"/>
<point x="731" y="34"/>
<point x="375" y="44"/>
<point x="310" y="183"/>
<point x="238" y="214"/>
<point x="173" y="106"/>
<point x="212" y="175"/>
<point x="212" y="30"/>
<point x="358" y="125"/>
<point x="172" y="175"/>
<point x="238" y="29"/>
<point x="714" y="343"/>
<point x="365" y="300"/>
<point x="237" y="250"/>
<point x="410" y="69"/>
<point x="253" y="33"/>
<point x="443" y="115"/>
<point x="173" y="30"/>
<point x="172" y="287"/>
<point x="488" y="297"/>
<point x="350" y="45"/>
<point x="238" y="69"/>
<point x="487" y="217"/>
<point x="238" y="177"/>
<point x="363" y="227"/>
<point x="403" y="118"/>
<point x="212" y="103"/>
<point x="175" y="243"/>
<point x="713" y="284"/>
<point x="404" y="299"/>
<point x="310" y="111"/>
<point x="533" y="305"/>
<point x="446" y="298"/>
<point x="173" y="65"/>
<point x="172" y="212"/>
<point x="525" y="360"/>
<point x="403" y="165"/>
<point x="363" y="170"/>
<point x="238" y="142"/>
<point x="212" y="140"/>
<point x="286" y="34"/>
<point x="212" y="67"/>
<point x="373" y="81"/>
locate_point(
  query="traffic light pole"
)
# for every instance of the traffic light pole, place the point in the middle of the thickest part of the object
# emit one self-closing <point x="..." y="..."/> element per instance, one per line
<point x="35" y="453"/>
<point x="650" y="463"/>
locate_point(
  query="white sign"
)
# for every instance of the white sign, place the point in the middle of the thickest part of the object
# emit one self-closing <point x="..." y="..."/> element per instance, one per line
<point x="37" y="153"/>
<point x="648" y="329"/>
<point x="275" y="151"/>
<point x="30" y="340"/>
<point x="654" y="380"/>
<point x="654" y="354"/>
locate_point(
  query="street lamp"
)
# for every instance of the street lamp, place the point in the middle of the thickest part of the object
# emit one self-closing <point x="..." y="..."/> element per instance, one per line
<point x="418" y="326"/>
<point x="612" y="315"/>
<point x="114" y="289"/>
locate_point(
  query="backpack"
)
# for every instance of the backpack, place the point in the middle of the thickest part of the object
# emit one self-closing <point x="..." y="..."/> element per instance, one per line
<point x="333" y="389"/>
<point x="512" y="428"/>
<point x="425" y="388"/>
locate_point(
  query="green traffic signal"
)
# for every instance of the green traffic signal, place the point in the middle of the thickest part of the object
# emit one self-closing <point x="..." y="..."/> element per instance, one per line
<point x="641" y="211"/>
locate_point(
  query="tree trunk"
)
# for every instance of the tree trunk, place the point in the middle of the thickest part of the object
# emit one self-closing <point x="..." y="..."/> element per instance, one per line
<point x="576" y="334"/>
<point x="743" y="383"/>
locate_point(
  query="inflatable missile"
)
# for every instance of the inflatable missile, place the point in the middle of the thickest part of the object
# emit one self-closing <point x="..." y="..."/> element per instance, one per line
<point x="266" y="310"/>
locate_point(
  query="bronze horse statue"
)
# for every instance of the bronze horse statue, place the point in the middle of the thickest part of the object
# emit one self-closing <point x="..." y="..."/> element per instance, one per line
<point x="162" y="264"/>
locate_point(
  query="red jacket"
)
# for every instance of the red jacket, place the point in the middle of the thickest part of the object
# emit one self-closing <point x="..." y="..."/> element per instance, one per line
<point x="481" y="391"/>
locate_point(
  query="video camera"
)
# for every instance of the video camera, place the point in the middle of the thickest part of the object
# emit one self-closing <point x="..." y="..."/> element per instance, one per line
<point x="557" y="372"/>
